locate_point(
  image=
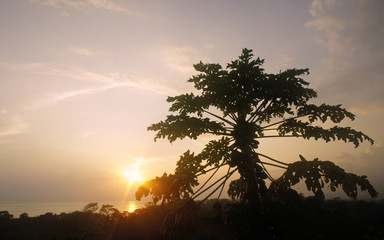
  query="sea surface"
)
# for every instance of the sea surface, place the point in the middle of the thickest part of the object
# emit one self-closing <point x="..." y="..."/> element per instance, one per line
<point x="34" y="209"/>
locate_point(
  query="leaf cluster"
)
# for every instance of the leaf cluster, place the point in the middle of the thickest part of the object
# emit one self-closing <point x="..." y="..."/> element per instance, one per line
<point x="180" y="185"/>
<point x="318" y="173"/>
<point x="307" y="131"/>
<point x="181" y="126"/>
<point x="165" y="189"/>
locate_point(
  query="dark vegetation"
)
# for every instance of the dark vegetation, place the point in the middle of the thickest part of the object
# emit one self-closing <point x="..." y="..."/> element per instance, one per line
<point x="301" y="219"/>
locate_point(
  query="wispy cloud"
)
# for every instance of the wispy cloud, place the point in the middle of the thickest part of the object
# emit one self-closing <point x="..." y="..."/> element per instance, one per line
<point x="182" y="58"/>
<point x="353" y="33"/>
<point x="60" y="70"/>
<point x="81" y="51"/>
<point x="54" y="98"/>
<point x="108" y="5"/>
<point x="77" y="73"/>
<point x="10" y="125"/>
<point x="83" y="5"/>
<point x="101" y="81"/>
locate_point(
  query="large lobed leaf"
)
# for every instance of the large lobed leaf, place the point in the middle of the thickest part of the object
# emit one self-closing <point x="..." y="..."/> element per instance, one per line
<point x="315" y="173"/>
<point x="182" y="126"/>
<point x="307" y="131"/>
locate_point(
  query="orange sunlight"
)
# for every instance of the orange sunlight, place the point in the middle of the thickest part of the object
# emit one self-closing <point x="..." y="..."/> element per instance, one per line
<point x="133" y="175"/>
<point x="131" y="207"/>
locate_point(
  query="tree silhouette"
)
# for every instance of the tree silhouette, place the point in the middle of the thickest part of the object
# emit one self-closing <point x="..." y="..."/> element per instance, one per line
<point x="239" y="106"/>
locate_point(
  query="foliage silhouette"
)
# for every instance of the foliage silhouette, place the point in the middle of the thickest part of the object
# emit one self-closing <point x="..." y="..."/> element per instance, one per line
<point x="303" y="219"/>
<point x="239" y="106"/>
<point x="91" y="207"/>
<point x="164" y="189"/>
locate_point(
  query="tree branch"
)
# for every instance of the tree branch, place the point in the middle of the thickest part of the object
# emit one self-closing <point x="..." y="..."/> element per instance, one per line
<point x="208" y="179"/>
<point x="231" y="114"/>
<point x="271" y="159"/>
<point x="251" y="118"/>
<point x="219" y="133"/>
<point x="258" y="117"/>
<point x="266" y="171"/>
<point x="221" y="191"/>
<point x="271" y="164"/>
<point x="226" y="177"/>
<point x="273" y="124"/>
<point x="280" y="136"/>
<point x="205" y="171"/>
<point x="221" y="118"/>
<point x="213" y="184"/>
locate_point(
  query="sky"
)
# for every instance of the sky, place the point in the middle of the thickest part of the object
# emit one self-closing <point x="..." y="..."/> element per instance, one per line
<point x="81" y="80"/>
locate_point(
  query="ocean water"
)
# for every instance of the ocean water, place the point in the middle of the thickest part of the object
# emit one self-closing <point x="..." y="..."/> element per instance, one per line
<point x="34" y="209"/>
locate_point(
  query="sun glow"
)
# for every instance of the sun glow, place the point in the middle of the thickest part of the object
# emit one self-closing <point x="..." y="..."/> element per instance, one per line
<point x="131" y="207"/>
<point x="133" y="175"/>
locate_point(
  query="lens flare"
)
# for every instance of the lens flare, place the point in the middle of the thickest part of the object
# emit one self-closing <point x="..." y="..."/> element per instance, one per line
<point x="132" y="172"/>
<point x="133" y="175"/>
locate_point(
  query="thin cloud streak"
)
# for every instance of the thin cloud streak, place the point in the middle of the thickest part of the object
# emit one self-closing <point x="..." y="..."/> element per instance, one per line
<point x="77" y="73"/>
<point x="52" y="99"/>
<point x="57" y="70"/>
<point x="10" y="125"/>
<point x="108" y="81"/>
<point x="81" y="51"/>
<point x="82" y="5"/>
<point x="182" y="58"/>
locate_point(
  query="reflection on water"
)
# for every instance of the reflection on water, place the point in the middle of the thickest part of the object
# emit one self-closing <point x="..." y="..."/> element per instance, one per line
<point x="131" y="207"/>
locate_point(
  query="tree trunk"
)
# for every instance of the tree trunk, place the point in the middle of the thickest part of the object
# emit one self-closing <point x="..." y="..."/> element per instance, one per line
<point x="248" y="171"/>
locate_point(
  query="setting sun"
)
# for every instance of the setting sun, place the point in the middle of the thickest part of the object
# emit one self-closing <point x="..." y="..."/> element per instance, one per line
<point x="133" y="175"/>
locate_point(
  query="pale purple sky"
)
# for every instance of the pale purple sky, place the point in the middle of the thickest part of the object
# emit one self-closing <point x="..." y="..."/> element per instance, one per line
<point x="81" y="80"/>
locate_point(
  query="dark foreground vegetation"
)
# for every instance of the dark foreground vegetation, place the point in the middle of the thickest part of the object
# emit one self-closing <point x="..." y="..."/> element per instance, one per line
<point x="297" y="219"/>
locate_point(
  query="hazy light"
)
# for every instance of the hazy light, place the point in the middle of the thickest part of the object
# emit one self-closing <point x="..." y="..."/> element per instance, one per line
<point x="133" y="175"/>
<point x="131" y="207"/>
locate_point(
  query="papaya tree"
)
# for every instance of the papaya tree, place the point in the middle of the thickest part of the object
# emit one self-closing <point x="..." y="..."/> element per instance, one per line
<point x="239" y="106"/>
